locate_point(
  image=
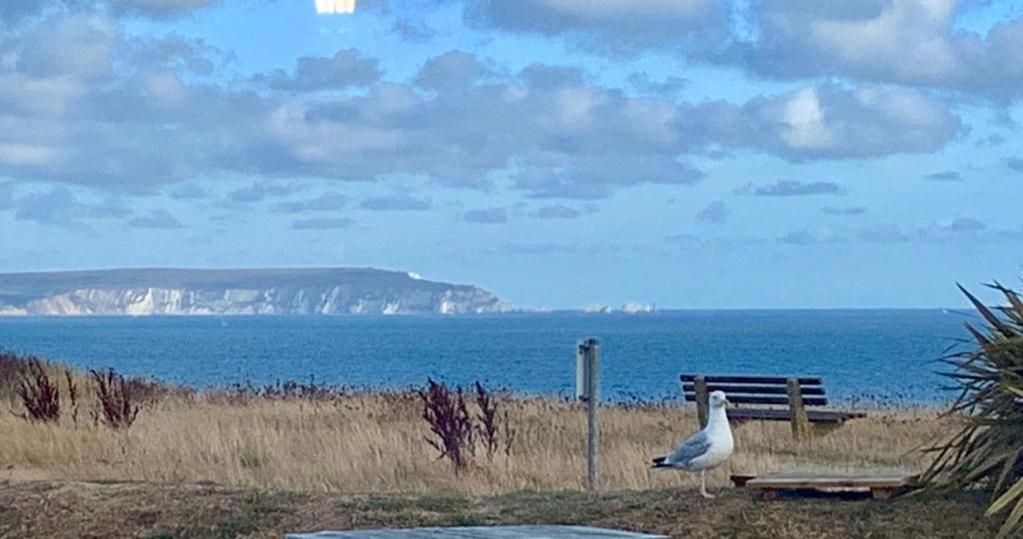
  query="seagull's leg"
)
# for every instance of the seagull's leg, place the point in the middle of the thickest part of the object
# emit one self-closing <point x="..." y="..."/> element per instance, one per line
<point x="703" y="485"/>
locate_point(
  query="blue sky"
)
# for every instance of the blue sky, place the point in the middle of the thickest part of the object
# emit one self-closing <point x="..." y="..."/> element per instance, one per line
<point x="692" y="153"/>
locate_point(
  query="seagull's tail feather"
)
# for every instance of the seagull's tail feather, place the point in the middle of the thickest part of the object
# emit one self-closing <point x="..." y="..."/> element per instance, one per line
<point x="660" y="462"/>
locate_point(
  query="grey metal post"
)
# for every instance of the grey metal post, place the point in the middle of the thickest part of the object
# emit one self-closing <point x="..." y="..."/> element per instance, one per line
<point x="591" y="355"/>
<point x="581" y="366"/>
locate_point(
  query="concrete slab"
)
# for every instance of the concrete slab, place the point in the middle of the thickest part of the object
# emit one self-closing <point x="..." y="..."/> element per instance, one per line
<point x="480" y="532"/>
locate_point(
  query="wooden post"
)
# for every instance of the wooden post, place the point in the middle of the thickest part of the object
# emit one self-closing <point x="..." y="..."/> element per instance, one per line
<point x="592" y="427"/>
<point x="800" y="422"/>
<point x="702" y="400"/>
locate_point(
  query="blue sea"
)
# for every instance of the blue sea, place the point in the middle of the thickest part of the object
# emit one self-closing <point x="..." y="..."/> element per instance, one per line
<point x="876" y="355"/>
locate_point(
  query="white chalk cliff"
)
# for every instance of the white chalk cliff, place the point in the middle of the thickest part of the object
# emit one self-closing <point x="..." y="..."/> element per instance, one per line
<point x="327" y="291"/>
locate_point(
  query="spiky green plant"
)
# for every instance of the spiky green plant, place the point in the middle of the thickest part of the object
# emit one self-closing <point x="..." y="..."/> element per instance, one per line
<point x="988" y="451"/>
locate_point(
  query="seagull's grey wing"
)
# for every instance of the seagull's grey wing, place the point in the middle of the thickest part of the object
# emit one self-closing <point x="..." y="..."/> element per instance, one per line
<point x="696" y="445"/>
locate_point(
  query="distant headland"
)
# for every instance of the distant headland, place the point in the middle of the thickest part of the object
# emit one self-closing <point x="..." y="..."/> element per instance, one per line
<point x="302" y="291"/>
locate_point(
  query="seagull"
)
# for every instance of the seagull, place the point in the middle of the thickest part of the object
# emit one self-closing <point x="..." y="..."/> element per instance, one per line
<point x="706" y="449"/>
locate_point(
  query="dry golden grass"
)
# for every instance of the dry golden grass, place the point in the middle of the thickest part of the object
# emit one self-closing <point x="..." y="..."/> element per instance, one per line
<point x="372" y="442"/>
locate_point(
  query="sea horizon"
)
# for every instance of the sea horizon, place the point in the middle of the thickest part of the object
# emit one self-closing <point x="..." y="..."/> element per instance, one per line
<point x="880" y="355"/>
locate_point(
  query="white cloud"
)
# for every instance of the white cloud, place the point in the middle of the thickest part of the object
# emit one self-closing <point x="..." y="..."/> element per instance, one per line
<point x="804" y="121"/>
<point x="911" y="42"/>
<point x="322" y="141"/>
<point x="715" y="213"/>
<point x="46" y="50"/>
<point x="323" y="223"/>
<point x="156" y="219"/>
<point x="829" y="122"/>
<point x="160" y="118"/>
<point x="47" y="96"/>
<point x="27" y="154"/>
<point x="916" y="29"/>
<point x="167" y="88"/>
<point x="575" y="106"/>
<point x="161" y="8"/>
<point x="487" y="216"/>
<point x="451" y="70"/>
<point x="346" y="68"/>
<point x="396" y="202"/>
<point x="615" y="10"/>
<point x="613" y="26"/>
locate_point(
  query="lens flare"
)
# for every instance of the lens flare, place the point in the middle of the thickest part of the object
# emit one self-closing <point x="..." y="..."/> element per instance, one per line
<point x="335" y="6"/>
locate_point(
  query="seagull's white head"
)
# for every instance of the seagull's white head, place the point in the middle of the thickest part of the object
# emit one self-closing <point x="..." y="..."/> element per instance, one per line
<point x="718" y="399"/>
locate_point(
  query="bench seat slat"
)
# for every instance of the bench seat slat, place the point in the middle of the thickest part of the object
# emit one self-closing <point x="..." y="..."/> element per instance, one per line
<point x="737" y="379"/>
<point x="741" y="389"/>
<point x="754" y="399"/>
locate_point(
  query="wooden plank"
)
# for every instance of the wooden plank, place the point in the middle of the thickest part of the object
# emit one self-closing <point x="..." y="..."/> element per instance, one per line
<point x="740" y="379"/>
<point x="879" y="493"/>
<point x="775" y="414"/>
<point x="832" y="416"/>
<point x="740" y="480"/>
<point x="480" y="532"/>
<point x="838" y="481"/>
<point x="761" y="414"/>
<point x="752" y="399"/>
<point x="738" y="389"/>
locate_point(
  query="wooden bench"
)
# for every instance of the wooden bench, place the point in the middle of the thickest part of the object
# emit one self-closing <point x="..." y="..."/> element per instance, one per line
<point x="795" y="393"/>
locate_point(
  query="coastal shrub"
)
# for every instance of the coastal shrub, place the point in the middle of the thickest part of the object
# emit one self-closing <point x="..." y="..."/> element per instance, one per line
<point x="988" y="451"/>
<point x="145" y="391"/>
<point x="117" y="406"/>
<point x="446" y="413"/>
<point x="241" y="393"/>
<point x="509" y="435"/>
<point x="487" y="417"/>
<point x="72" y="393"/>
<point x="456" y="431"/>
<point x="10" y="375"/>
<point x="39" y="394"/>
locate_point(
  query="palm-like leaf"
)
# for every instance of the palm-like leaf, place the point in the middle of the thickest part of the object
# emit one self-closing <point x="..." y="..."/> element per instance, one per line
<point x="988" y="451"/>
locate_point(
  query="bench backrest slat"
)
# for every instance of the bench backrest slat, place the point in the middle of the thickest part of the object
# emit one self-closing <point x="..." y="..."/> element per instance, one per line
<point x="766" y="390"/>
<point x="729" y="379"/>
<point x="780" y="400"/>
<point x="796" y="394"/>
<point x="739" y="389"/>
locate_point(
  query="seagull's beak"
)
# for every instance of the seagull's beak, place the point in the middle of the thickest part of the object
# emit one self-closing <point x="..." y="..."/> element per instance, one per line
<point x="728" y="402"/>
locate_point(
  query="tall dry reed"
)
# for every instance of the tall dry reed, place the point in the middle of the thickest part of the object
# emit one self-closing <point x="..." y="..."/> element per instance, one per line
<point x="375" y="442"/>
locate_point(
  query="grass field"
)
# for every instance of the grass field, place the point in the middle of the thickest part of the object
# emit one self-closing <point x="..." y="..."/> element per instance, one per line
<point x="256" y="464"/>
<point x="375" y="442"/>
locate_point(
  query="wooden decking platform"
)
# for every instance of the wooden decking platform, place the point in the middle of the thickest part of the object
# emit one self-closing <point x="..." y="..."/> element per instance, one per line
<point x="880" y="487"/>
<point x="481" y="532"/>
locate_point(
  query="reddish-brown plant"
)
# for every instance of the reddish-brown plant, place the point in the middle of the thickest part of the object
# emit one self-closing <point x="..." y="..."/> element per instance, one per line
<point x="449" y="420"/>
<point x="38" y="393"/>
<point x="487" y="418"/>
<point x="117" y="408"/>
<point x="72" y="392"/>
